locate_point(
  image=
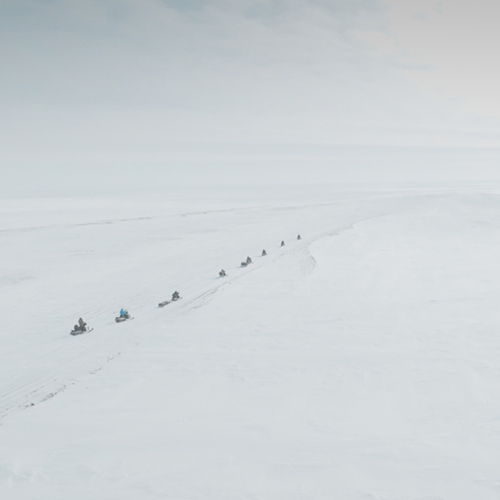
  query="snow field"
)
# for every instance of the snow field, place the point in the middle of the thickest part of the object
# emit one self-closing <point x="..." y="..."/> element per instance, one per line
<point x="358" y="363"/>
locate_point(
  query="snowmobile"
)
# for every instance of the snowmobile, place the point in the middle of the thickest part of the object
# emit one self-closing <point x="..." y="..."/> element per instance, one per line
<point x="175" y="296"/>
<point x="78" y="330"/>
<point x="248" y="261"/>
<point x="222" y="273"/>
<point x="123" y="317"/>
<point x="80" y="327"/>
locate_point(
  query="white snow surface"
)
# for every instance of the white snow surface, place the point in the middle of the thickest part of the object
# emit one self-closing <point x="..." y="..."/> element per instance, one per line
<point x="361" y="362"/>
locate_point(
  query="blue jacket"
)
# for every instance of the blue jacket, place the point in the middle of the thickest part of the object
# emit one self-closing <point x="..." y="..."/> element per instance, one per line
<point x="123" y="312"/>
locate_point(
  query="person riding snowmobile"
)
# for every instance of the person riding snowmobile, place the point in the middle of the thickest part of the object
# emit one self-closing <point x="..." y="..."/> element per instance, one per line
<point x="123" y="313"/>
<point x="299" y="237"/>
<point x="264" y="253"/>
<point x="81" y="327"/>
<point x="222" y="273"/>
<point x="249" y="260"/>
<point x="176" y="296"/>
<point x="282" y="243"/>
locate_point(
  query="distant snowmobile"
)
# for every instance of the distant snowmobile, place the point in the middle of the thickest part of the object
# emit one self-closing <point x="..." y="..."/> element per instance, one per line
<point x="80" y="328"/>
<point x="77" y="331"/>
<point x="124" y="316"/>
<point x="175" y="296"/>
<point x="247" y="262"/>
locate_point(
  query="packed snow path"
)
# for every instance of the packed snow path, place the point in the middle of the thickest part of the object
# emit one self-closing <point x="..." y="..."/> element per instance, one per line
<point x="361" y="362"/>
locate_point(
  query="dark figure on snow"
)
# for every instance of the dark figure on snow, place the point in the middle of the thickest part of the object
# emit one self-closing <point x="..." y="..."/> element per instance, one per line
<point x="222" y="273"/>
<point x="176" y="296"/>
<point x="282" y="243"/>
<point x="299" y="237"/>
<point x="264" y="253"/>
<point x="81" y="327"/>
<point x="249" y="260"/>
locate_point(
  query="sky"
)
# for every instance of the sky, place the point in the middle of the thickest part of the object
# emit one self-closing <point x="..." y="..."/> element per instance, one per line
<point x="126" y="84"/>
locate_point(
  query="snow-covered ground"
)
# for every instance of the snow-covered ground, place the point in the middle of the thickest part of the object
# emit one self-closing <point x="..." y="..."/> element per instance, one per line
<point x="361" y="362"/>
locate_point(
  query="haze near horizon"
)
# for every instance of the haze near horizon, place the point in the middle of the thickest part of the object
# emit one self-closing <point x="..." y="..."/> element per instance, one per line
<point x="100" y="91"/>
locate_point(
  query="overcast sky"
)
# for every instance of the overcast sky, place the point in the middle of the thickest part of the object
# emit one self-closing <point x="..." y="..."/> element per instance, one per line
<point x="110" y="81"/>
